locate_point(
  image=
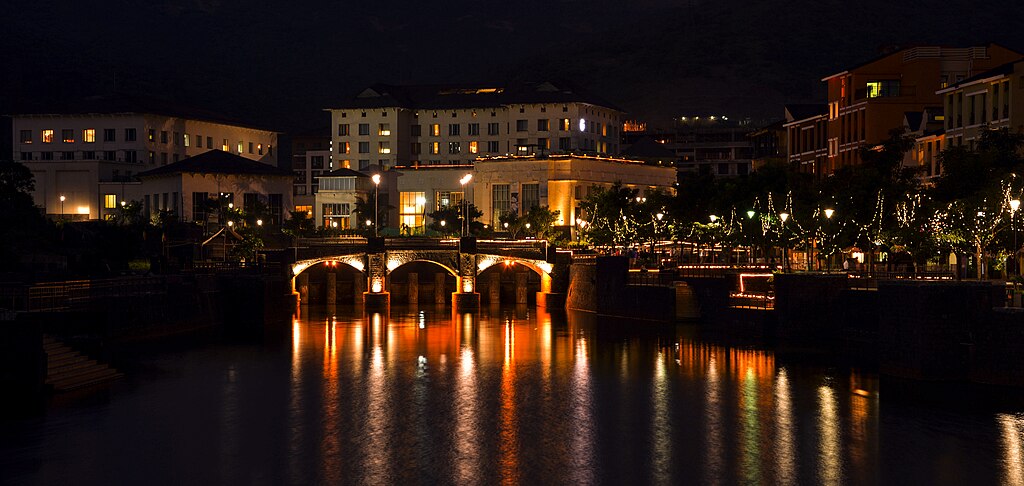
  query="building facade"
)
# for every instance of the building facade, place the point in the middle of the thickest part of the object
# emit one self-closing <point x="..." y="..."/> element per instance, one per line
<point x="444" y="125"/>
<point x="75" y="155"/>
<point x="516" y="184"/>
<point x="866" y="102"/>
<point x="993" y="99"/>
<point x="807" y="137"/>
<point x="216" y="179"/>
<point x="310" y="158"/>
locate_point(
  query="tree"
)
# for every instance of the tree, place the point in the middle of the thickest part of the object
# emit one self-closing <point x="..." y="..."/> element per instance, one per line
<point x="541" y="221"/>
<point x="300" y="225"/>
<point x="451" y="216"/>
<point x="972" y="194"/>
<point x="364" y="212"/>
<point x="608" y="210"/>
<point x="23" y="228"/>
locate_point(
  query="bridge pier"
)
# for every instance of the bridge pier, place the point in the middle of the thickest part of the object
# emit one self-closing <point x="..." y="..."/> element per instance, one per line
<point x="414" y="288"/>
<point x="465" y="296"/>
<point x="494" y="288"/>
<point x="378" y="296"/>
<point x="546" y="299"/>
<point x="302" y="287"/>
<point x="521" y="289"/>
<point x="331" y="288"/>
<point x="440" y="297"/>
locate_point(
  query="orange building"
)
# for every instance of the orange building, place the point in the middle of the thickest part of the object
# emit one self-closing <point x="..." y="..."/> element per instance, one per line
<point x="806" y="131"/>
<point x="867" y="101"/>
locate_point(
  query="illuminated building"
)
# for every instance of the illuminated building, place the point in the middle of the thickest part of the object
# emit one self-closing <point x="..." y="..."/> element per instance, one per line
<point x="391" y="126"/>
<point x="929" y="140"/>
<point x="311" y="157"/>
<point x="992" y="99"/>
<point x="336" y="196"/>
<point x="806" y="137"/>
<point x="707" y="145"/>
<point x="867" y="101"/>
<point x="516" y="184"/>
<point x="187" y="186"/>
<point x="91" y="154"/>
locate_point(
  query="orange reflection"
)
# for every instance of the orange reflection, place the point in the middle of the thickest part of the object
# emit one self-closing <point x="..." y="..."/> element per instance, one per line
<point x="829" y="448"/>
<point x="377" y="451"/>
<point x="295" y="408"/>
<point x="509" y="460"/>
<point x="466" y="440"/>
<point x="1012" y="429"/>
<point x="785" y="443"/>
<point x="330" y="442"/>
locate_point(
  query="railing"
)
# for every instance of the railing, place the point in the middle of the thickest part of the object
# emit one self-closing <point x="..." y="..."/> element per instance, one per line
<point x="718" y="270"/>
<point x="651" y="278"/>
<point x="75" y="294"/>
<point x="214" y="267"/>
<point x="751" y="300"/>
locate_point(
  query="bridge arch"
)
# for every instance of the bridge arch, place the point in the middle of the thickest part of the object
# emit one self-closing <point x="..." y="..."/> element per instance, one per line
<point x="540" y="267"/>
<point x="356" y="261"/>
<point x="394" y="265"/>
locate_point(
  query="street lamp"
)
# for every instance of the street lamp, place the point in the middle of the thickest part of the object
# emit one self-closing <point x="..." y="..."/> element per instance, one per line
<point x="465" y="202"/>
<point x="259" y="222"/>
<point x="1014" y="205"/>
<point x="376" y="211"/>
<point x="62" y="206"/>
<point x="714" y="218"/>
<point x="828" y="215"/>
<point x="785" y="244"/>
<point x="750" y="214"/>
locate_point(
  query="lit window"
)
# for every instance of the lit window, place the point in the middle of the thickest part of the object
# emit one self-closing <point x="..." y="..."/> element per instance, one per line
<point x="435" y="129"/>
<point x="259" y="149"/>
<point x="384" y="130"/>
<point x="224" y="146"/>
<point x="240" y="146"/>
<point x="109" y="201"/>
<point x="67" y="136"/>
<point x="563" y="124"/>
<point x="435" y="147"/>
<point x="474" y="147"/>
<point x="89" y="135"/>
<point x="384" y="148"/>
<point x="413" y="206"/>
<point x="186" y="140"/>
<point x="47" y="136"/>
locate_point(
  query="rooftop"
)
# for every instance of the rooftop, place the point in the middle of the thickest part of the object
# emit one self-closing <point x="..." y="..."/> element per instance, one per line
<point x="217" y="162"/>
<point x="470" y="96"/>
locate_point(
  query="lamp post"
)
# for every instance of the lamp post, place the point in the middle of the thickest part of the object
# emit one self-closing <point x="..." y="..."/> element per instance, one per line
<point x="785" y="243"/>
<point x="376" y="208"/>
<point x="62" y="198"/>
<point x="1014" y="205"/>
<point x="752" y="255"/>
<point x="465" y="202"/>
<point x="828" y="217"/>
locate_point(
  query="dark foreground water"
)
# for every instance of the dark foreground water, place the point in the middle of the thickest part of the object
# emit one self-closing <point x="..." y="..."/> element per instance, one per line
<point x="426" y="396"/>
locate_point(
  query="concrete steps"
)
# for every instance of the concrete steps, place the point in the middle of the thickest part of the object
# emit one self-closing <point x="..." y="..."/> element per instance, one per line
<point x="67" y="369"/>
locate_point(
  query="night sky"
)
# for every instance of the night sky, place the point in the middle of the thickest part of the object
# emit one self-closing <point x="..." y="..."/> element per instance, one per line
<point x="279" y="63"/>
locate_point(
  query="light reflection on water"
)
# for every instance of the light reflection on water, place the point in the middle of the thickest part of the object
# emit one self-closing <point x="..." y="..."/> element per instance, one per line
<point x="508" y="395"/>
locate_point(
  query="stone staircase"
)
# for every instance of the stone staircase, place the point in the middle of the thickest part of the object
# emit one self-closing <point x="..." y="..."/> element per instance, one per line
<point x="67" y="369"/>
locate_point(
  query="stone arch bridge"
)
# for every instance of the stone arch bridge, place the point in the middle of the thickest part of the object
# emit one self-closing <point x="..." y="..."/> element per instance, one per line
<point x="464" y="258"/>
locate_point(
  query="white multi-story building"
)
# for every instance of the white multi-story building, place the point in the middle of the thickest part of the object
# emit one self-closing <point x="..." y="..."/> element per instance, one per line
<point x="90" y="157"/>
<point x="444" y="125"/>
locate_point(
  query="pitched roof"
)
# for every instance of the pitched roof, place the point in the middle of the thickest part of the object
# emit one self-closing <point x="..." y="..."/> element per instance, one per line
<point x="217" y="162"/>
<point x="458" y="96"/>
<point x="344" y="172"/>
<point x="805" y="111"/>
<point x="1003" y="70"/>
<point x="913" y="119"/>
<point x="124" y="104"/>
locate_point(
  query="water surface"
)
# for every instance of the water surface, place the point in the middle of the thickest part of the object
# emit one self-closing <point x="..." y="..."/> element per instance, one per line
<point x="511" y="395"/>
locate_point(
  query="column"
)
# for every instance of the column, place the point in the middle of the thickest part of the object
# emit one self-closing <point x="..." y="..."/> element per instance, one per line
<point x="302" y="286"/>
<point x="521" y="287"/>
<point x="439" y="294"/>
<point x="376" y="271"/>
<point x="494" y="287"/>
<point x="414" y="288"/>
<point x="331" y="288"/>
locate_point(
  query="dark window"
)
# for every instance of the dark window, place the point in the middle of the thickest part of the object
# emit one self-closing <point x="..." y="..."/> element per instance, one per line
<point x="522" y="125"/>
<point x="364" y="128"/>
<point x="109" y="135"/>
